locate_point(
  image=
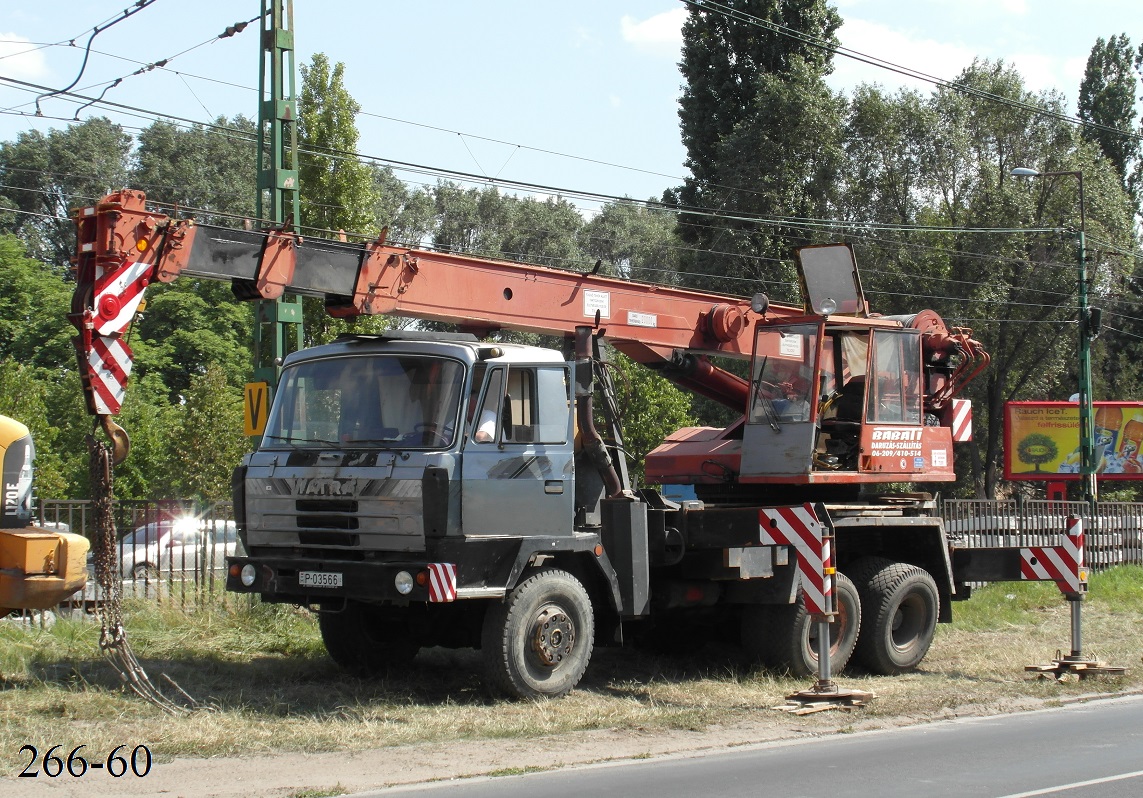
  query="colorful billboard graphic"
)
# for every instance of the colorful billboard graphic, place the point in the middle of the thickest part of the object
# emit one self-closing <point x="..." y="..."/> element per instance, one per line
<point x="1041" y="440"/>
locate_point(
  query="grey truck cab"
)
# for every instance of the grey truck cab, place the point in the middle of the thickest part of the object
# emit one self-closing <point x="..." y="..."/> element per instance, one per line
<point x="402" y="472"/>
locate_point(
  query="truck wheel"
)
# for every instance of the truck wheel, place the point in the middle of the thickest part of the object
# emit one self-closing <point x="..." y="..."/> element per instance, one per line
<point x="899" y="604"/>
<point x="366" y="640"/>
<point x="538" y="641"/>
<point x="785" y="637"/>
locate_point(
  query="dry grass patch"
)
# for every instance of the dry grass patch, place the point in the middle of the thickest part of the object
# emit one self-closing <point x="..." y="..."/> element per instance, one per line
<point x="271" y="688"/>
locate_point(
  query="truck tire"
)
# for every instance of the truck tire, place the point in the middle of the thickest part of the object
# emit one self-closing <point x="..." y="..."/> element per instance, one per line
<point x="538" y="640"/>
<point x="365" y="640"/>
<point x="899" y="604"/>
<point x="785" y="637"/>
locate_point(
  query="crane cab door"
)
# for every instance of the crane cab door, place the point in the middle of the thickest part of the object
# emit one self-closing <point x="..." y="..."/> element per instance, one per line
<point x="517" y="464"/>
<point x="781" y="429"/>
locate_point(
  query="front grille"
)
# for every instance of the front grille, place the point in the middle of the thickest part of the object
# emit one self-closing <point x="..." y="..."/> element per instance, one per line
<point x="327" y="522"/>
<point x="326" y="505"/>
<point x="328" y="539"/>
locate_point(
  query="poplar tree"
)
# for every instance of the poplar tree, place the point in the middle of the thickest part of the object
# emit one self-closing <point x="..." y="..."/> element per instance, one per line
<point x="762" y="134"/>
<point x="1107" y="98"/>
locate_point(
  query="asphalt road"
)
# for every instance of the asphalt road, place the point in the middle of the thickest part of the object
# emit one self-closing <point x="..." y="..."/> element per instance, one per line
<point x="1094" y="750"/>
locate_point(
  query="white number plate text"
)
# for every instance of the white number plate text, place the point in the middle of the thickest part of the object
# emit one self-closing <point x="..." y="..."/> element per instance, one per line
<point x="319" y="579"/>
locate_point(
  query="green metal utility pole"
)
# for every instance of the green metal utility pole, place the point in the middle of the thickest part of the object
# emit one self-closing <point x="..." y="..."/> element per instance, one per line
<point x="278" y="327"/>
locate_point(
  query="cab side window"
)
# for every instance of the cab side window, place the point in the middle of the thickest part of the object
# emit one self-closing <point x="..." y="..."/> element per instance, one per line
<point x="524" y="405"/>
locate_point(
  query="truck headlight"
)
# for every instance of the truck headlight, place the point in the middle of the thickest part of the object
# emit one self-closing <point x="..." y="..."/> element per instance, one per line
<point x="248" y="575"/>
<point x="403" y="581"/>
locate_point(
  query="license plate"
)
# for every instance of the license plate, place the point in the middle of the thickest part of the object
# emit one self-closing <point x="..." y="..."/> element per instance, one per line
<point x="319" y="579"/>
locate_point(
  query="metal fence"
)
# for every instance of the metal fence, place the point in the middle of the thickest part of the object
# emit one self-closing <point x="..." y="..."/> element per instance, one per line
<point x="176" y="550"/>
<point x="171" y="550"/>
<point x="1113" y="534"/>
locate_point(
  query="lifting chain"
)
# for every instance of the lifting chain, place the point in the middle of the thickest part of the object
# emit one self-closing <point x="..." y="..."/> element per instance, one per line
<point x="112" y="636"/>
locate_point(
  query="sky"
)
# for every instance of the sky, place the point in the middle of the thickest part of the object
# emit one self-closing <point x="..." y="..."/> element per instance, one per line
<point x="574" y="96"/>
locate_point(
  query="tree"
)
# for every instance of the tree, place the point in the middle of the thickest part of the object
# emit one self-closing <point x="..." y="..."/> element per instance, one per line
<point x="34" y="329"/>
<point x="1107" y="97"/>
<point x="634" y="241"/>
<point x="46" y="175"/>
<point x="206" y="169"/>
<point x="945" y="162"/>
<point x="337" y="191"/>
<point x="207" y="440"/>
<point x="761" y="131"/>
<point x="23" y="397"/>
<point x="409" y="215"/>
<point x="651" y="407"/>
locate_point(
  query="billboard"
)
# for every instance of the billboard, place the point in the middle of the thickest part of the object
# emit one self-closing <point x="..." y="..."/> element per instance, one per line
<point x="1041" y="440"/>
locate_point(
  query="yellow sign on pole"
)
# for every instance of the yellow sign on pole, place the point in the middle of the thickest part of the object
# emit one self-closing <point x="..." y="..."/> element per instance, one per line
<point x="257" y="407"/>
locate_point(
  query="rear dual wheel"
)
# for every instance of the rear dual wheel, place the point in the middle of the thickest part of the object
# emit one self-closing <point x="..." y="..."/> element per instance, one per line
<point x="899" y="604"/>
<point x="786" y="637"/>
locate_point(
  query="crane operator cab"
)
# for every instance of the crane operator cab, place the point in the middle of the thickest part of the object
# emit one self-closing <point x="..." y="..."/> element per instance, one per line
<point x="839" y="393"/>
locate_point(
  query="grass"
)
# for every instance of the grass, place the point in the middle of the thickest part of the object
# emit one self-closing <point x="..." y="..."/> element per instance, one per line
<point x="270" y="686"/>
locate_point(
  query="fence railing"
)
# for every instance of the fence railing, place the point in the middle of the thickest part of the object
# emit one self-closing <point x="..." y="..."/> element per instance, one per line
<point x="1113" y="533"/>
<point x="175" y="550"/>
<point x="170" y="550"/>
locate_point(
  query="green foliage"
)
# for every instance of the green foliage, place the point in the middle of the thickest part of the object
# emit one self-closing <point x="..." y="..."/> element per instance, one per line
<point x="23" y="396"/>
<point x="34" y="303"/>
<point x="762" y="137"/>
<point x="634" y="242"/>
<point x="651" y="408"/>
<point x="206" y="440"/>
<point x="336" y="189"/>
<point x="1107" y="98"/>
<point x="338" y="192"/>
<point x="207" y="170"/>
<point x="46" y="175"/>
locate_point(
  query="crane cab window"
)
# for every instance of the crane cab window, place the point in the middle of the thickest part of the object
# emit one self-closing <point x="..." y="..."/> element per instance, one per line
<point x="524" y="405"/>
<point x="893" y="394"/>
<point x="783" y="374"/>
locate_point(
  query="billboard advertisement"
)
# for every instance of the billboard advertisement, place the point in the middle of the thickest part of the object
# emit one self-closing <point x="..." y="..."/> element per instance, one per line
<point x="1041" y="440"/>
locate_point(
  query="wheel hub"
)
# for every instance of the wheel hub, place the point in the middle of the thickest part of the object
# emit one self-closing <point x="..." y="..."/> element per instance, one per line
<point x="553" y="635"/>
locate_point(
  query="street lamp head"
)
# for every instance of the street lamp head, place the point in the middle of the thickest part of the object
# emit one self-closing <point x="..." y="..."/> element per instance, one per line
<point x="1023" y="171"/>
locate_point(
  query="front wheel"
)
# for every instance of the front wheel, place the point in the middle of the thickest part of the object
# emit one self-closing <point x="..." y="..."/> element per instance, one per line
<point x="538" y="641"/>
<point x="366" y="640"/>
<point x="785" y="637"/>
<point x="900" y="604"/>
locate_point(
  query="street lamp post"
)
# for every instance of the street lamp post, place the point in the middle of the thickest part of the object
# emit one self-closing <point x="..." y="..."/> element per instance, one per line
<point x="1086" y="412"/>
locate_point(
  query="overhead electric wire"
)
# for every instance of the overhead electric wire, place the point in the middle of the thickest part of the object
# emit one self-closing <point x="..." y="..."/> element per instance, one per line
<point x="98" y="29"/>
<point x="815" y="41"/>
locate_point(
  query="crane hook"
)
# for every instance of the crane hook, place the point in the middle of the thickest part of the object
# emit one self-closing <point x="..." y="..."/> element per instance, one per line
<point x="120" y="443"/>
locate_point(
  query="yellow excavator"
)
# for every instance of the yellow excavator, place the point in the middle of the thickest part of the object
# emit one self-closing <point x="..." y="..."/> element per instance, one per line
<point x="39" y="567"/>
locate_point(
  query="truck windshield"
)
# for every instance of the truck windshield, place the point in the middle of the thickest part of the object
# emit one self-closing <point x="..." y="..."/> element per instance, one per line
<point x="388" y="401"/>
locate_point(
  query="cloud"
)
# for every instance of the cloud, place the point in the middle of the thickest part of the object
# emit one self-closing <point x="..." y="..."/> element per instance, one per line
<point x="938" y="59"/>
<point x="660" y="34"/>
<point x="19" y="58"/>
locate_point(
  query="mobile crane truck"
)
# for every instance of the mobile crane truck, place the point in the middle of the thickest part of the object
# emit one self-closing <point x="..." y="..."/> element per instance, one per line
<point x="428" y="489"/>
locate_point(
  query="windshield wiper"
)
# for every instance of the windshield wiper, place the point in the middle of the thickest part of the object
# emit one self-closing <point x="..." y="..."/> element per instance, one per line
<point x="295" y="441"/>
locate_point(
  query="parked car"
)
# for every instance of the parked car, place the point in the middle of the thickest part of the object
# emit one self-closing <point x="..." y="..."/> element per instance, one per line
<point x="180" y="547"/>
